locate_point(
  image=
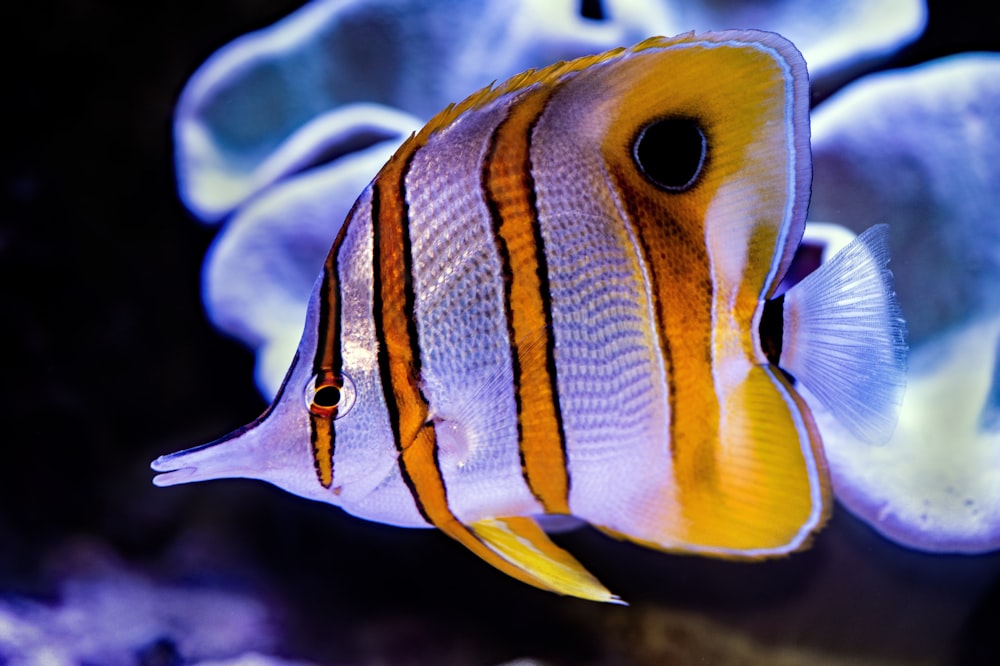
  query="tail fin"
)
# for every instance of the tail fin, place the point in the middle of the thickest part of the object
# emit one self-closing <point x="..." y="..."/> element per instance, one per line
<point x="845" y="338"/>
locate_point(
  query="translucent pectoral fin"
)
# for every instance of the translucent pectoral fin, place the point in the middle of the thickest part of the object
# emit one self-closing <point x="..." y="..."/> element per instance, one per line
<point x="845" y="337"/>
<point x="522" y="546"/>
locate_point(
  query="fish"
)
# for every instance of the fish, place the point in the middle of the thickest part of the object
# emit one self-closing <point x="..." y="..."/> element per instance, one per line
<point x="564" y="297"/>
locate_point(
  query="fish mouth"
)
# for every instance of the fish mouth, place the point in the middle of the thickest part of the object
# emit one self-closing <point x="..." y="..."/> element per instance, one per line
<point x="199" y="463"/>
<point x="179" y="467"/>
<point x="170" y="473"/>
<point x="232" y="456"/>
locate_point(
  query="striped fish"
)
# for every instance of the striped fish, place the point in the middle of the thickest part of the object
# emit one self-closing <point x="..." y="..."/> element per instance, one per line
<point x="561" y="297"/>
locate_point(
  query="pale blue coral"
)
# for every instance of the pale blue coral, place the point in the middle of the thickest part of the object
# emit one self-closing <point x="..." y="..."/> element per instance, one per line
<point x="918" y="149"/>
<point x="339" y="74"/>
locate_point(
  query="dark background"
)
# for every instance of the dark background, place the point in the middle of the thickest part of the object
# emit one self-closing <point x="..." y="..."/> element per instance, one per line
<point x="108" y="361"/>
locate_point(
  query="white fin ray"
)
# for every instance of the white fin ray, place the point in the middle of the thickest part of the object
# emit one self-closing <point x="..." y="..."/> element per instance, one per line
<point x="845" y="337"/>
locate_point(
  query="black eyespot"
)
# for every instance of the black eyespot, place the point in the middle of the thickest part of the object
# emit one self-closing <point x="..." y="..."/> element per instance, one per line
<point x="592" y="9"/>
<point x="327" y="396"/>
<point x="330" y="396"/>
<point x="671" y="153"/>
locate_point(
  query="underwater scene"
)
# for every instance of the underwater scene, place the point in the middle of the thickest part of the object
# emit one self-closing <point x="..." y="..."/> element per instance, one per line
<point x="674" y="328"/>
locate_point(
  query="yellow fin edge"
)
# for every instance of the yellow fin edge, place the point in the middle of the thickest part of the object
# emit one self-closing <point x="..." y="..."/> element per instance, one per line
<point x="520" y="548"/>
<point x="545" y="75"/>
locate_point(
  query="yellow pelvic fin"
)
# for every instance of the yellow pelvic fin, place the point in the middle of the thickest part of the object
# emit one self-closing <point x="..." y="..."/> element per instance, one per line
<point x="516" y="546"/>
<point x="525" y="552"/>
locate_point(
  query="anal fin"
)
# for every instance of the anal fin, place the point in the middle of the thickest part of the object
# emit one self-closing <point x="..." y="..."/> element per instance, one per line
<point x="755" y="487"/>
<point x="516" y="545"/>
<point x="522" y="544"/>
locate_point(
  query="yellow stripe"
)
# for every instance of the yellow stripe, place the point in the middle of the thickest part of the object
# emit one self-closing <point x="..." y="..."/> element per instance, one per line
<point x="396" y="332"/>
<point x="509" y="191"/>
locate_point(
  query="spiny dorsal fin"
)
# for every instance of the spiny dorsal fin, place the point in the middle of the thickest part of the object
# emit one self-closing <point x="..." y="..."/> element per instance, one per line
<point x="550" y="75"/>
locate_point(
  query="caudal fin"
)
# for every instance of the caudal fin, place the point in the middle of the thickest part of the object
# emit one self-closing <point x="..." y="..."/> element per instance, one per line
<point x="845" y="338"/>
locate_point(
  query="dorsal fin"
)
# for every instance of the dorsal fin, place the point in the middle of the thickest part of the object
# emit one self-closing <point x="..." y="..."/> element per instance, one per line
<point x="549" y="75"/>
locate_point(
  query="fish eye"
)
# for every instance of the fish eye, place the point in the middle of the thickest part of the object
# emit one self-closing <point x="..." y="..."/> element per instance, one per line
<point x="329" y="395"/>
<point x="671" y="152"/>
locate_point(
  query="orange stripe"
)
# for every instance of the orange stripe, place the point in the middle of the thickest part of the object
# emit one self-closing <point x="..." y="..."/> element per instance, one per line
<point x="510" y="196"/>
<point x="679" y="269"/>
<point x="399" y="362"/>
<point x="322" y="447"/>
<point x="399" y="348"/>
<point x="327" y="360"/>
<point x="398" y="344"/>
